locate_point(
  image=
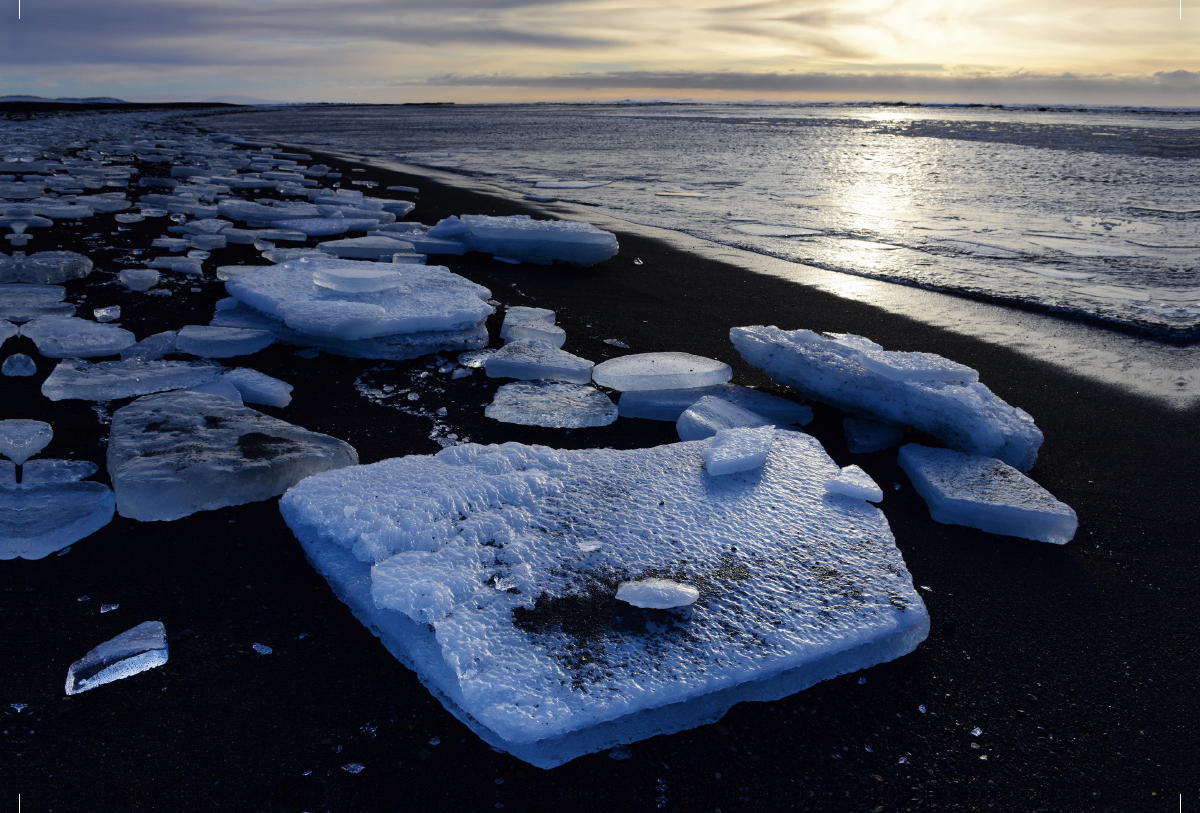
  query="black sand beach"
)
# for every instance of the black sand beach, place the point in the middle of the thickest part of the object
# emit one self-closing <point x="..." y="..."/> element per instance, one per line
<point x="1077" y="662"/>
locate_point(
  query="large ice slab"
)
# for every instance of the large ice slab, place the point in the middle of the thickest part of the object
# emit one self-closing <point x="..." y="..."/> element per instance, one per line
<point x="532" y="358"/>
<point x="110" y="380"/>
<point x="535" y="241"/>
<point x="21" y="439"/>
<point x="429" y="298"/>
<point x="965" y="416"/>
<point x="660" y="371"/>
<point x="176" y="453"/>
<point x="44" y="267"/>
<point x="521" y="322"/>
<point x="130" y="653"/>
<point x="669" y="405"/>
<point x="70" y="337"/>
<point x="40" y="517"/>
<point x="710" y="415"/>
<point x="551" y="404"/>
<point x="657" y="594"/>
<point x="221" y="342"/>
<point x="503" y="546"/>
<point x="985" y="493"/>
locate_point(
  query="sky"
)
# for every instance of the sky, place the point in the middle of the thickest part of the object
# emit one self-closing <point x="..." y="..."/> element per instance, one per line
<point x="1119" y="52"/>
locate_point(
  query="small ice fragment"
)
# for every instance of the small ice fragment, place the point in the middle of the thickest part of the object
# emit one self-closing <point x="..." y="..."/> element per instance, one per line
<point x="70" y="337"/>
<point x="616" y="343"/>
<point x="139" y="279"/>
<point x="660" y="371"/>
<point x="742" y="449"/>
<point x="975" y="732"/>
<point x="259" y="388"/>
<point x="862" y="681"/>
<point x="709" y="415"/>
<point x="657" y="594"/>
<point x="263" y="649"/>
<point x="462" y="372"/>
<point x="532" y="323"/>
<point x="986" y="493"/>
<point x="18" y="364"/>
<point x="353" y="767"/>
<point x="534" y="359"/>
<point x="136" y="650"/>
<point x="669" y="405"/>
<point x="537" y="241"/>
<point x="552" y="404"/>
<point x="20" y="707"/>
<point x="854" y="482"/>
<point x="921" y="708"/>
<point x="84" y="598"/>
<point x="108" y="608"/>
<point x="21" y="439"/>
<point x="475" y="359"/>
<point x="435" y="741"/>
<point x="903" y="761"/>
<point x="864" y="437"/>
<point x="107" y="314"/>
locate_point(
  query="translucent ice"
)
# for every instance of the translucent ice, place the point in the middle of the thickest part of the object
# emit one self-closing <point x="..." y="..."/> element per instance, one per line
<point x="70" y="337"/>
<point x="259" y="388"/>
<point x="360" y="278"/>
<point x="668" y="405"/>
<point x="44" y="267"/>
<point x="110" y="380"/>
<point x="18" y="364"/>
<point x="152" y="347"/>
<point x="176" y="453"/>
<point x="130" y="653"/>
<point x="546" y="403"/>
<point x="192" y="266"/>
<point x="221" y="342"/>
<point x="657" y="594"/>
<point x="660" y="371"/>
<point x="710" y="415"/>
<point x="42" y="472"/>
<point x="220" y="388"/>
<point x="366" y="248"/>
<point x="985" y="493"/>
<point x="499" y="640"/>
<point x="21" y="439"/>
<point x="854" y="482"/>
<point x="42" y="515"/>
<point x="740" y="449"/>
<point x="139" y="279"/>
<point x="863" y="437"/>
<point x="535" y="241"/>
<point x="110" y="313"/>
<point x="967" y="417"/>
<point x="531" y="359"/>
<point x="532" y="323"/>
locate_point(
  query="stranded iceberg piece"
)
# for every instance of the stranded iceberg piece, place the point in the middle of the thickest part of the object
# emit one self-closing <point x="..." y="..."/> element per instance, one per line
<point x="221" y="342"/>
<point x="741" y="449"/>
<point x="44" y="514"/>
<point x="463" y="564"/>
<point x="176" y="453"/>
<point x="657" y="594"/>
<point x="63" y="337"/>
<point x="535" y="241"/>
<point x="710" y="415"/>
<point x="669" y="405"/>
<point x="660" y="371"/>
<point x="985" y="493"/>
<point x="532" y="358"/>
<point x="965" y="416"/>
<point x="854" y="482"/>
<point x="136" y="650"/>
<point x="558" y="406"/>
<point x="110" y="380"/>
<point x="532" y="323"/>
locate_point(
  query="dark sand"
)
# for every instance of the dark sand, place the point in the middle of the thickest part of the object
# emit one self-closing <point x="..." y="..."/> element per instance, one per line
<point x="1077" y="662"/>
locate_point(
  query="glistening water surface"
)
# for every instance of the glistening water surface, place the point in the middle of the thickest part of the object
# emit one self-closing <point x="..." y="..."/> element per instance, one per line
<point x="1094" y="211"/>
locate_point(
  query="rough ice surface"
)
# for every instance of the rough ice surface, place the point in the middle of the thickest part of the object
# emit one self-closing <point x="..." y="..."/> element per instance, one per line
<point x="657" y="594"/>
<point x="739" y="449"/>
<point x="395" y="347"/>
<point x="130" y="653"/>
<point x="531" y="359"/>
<point x="41" y="472"/>
<point x="18" y="365"/>
<point x="985" y="493"/>
<point x="534" y="241"/>
<point x="967" y="417"/>
<point x="430" y="298"/>
<point x="221" y="342"/>
<point x="863" y="437"/>
<point x="854" y="482"/>
<point x="259" y="388"/>
<point x="901" y="366"/>
<point x="176" y="453"/>
<point x="710" y="415"/>
<point x="552" y="404"/>
<point x="532" y="323"/>
<point x="110" y="380"/>
<point x="329" y="226"/>
<point x="44" y="267"/>
<point x="138" y="279"/>
<point x="515" y="545"/>
<point x="358" y="279"/>
<point x="660" y="371"/>
<point x="366" y="248"/>
<point x="21" y="439"/>
<point x="69" y="337"/>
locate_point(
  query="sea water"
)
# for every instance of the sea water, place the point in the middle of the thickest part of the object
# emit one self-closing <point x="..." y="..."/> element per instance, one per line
<point x="1093" y="212"/>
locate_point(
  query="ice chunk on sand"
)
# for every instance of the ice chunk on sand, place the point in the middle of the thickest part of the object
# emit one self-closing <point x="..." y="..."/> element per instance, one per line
<point x="863" y="437"/>
<point x="429" y="298"/>
<point x="657" y="594"/>
<point x="220" y="388"/>
<point x="221" y="342"/>
<point x="532" y="323"/>
<point x="132" y="652"/>
<point x="110" y="380"/>
<point x="38" y="517"/>
<point x="366" y="248"/>
<point x="530" y="359"/>
<point x="192" y="266"/>
<point x="152" y="347"/>
<point x="70" y="337"/>
<point x="44" y="267"/>
<point x="21" y="439"/>
<point x="535" y="241"/>
<point x="710" y="415"/>
<point x="139" y="279"/>
<point x="660" y="371"/>
<point x="985" y="493"/>
<point x="967" y="417"/>
<point x="552" y="404"/>
<point x="18" y="365"/>
<point x="329" y="226"/>
<point x="739" y="449"/>
<point x="259" y="388"/>
<point x="176" y="453"/>
<point x="899" y="366"/>
<point x="508" y="660"/>
<point x="41" y="472"/>
<point x="854" y="482"/>
<point x="362" y="278"/>
<point x="669" y="405"/>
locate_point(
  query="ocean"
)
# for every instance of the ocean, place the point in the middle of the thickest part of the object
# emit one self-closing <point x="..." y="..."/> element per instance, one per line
<point x="1090" y="212"/>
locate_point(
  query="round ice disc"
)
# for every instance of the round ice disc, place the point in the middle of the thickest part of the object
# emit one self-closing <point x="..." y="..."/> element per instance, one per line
<point x="358" y="280"/>
<point x="660" y="371"/>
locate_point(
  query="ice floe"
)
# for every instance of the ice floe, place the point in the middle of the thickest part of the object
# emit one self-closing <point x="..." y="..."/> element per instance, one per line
<point x="533" y="358"/>
<point x="21" y="439"/>
<point x="660" y="371"/>
<point x="710" y="415"/>
<point x="221" y="342"/>
<point x="130" y="653"/>
<point x="534" y="241"/>
<point x="110" y="380"/>
<point x="669" y="405"/>
<point x="552" y="404"/>
<point x="657" y="594"/>
<point x="138" y="279"/>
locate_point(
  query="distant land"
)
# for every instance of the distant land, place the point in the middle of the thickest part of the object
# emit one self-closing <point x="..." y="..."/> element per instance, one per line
<point x="92" y="100"/>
